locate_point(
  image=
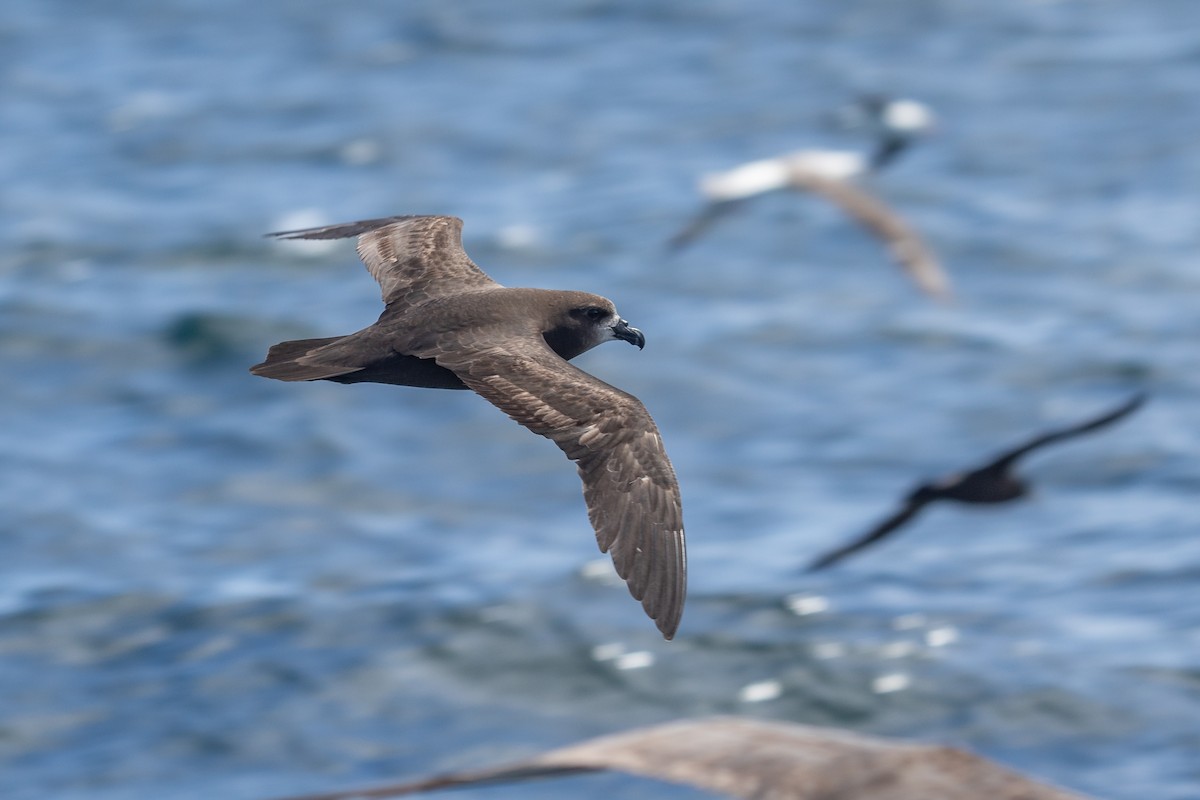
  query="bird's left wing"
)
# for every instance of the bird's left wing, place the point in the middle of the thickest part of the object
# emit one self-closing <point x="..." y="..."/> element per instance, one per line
<point x="413" y="258"/>
<point x="726" y="191"/>
<point x="705" y="219"/>
<point x="907" y="512"/>
<point x="1006" y="459"/>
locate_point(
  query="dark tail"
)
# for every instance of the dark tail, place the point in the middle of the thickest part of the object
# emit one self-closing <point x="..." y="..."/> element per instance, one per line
<point x="283" y="361"/>
<point x="353" y="359"/>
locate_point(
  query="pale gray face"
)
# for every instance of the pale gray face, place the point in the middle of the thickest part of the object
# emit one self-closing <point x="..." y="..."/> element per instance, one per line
<point x="598" y="322"/>
<point x="588" y="320"/>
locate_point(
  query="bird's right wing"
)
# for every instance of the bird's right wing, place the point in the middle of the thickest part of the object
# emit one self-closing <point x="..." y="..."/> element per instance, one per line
<point x="906" y="247"/>
<point x="708" y="216"/>
<point x="907" y="512"/>
<point x="726" y="191"/>
<point x="413" y="258"/>
<point x="629" y="484"/>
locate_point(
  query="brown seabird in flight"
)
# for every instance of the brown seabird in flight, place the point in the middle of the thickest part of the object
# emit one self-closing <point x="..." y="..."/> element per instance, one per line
<point x="832" y="174"/>
<point x="759" y="760"/>
<point x="447" y="325"/>
<point x="994" y="482"/>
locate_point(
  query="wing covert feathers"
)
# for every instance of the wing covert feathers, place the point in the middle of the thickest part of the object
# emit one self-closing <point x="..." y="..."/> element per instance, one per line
<point x="629" y="484"/>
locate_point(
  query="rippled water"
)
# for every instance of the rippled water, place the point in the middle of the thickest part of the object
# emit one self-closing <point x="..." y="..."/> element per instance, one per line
<point x="217" y="585"/>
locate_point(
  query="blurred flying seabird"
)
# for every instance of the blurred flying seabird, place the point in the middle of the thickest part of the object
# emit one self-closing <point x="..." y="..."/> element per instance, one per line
<point x="447" y="325"/>
<point x="895" y="125"/>
<point x="994" y="482"/>
<point x="760" y="760"/>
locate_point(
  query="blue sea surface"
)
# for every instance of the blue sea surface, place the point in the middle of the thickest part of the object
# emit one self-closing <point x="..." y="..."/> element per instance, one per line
<point x="215" y="585"/>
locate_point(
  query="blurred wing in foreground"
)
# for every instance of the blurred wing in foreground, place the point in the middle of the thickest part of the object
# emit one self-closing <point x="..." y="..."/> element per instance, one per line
<point x="762" y="760"/>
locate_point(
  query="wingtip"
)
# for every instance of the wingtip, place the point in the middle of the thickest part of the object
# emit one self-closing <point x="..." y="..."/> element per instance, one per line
<point x="667" y="620"/>
<point x="668" y="624"/>
<point x="931" y="279"/>
<point x="817" y="566"/>
<point x="1135" y="402"/>
<point x="346" y="230"/>
<point x="299" y="233"/>
<point x="675" y="245"/>
<point x="945" y="296"/>
<point x="665" y="607"/>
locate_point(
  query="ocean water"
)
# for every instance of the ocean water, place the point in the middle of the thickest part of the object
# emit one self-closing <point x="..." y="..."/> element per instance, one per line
<point x="213" y="585"/>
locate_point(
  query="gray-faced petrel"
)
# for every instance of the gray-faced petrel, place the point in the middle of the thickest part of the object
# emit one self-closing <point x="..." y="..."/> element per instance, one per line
<point x="994" y="482"/>
<point x="447" y="325"/>
<point x="831" y="174"/>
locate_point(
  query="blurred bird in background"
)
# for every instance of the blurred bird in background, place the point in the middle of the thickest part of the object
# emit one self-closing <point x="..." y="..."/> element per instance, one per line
<point x="895" y="124"/>
<point x="993" y="482"/>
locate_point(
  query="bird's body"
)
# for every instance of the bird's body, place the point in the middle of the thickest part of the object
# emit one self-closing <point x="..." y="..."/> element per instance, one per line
<point x="981" y="487"/>
<point x="833" y="175"/>
<point x="775" y="174"/>
<point x="448" y="325"/>
<point x="994" y="482"/>
<point x="369" y="355"/>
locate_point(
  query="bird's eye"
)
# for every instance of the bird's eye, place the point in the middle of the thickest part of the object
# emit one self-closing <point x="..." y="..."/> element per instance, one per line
<point x="595" y="312"/>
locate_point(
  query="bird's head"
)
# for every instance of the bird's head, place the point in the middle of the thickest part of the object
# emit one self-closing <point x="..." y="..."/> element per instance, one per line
<point x="884" y="116"/>
<point x="586" y="320"/>
<point x="906" y="118"/>
<point x="894" y="122"/>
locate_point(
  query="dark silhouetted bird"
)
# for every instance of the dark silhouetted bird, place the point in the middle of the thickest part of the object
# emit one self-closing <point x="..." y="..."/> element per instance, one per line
<point x="994" y="482"/>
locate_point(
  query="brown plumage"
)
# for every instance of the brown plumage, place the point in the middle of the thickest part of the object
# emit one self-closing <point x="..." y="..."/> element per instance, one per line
<point x="761" y="760"/>
<point x="447" y="325"/>
<point x="994" y="482"/>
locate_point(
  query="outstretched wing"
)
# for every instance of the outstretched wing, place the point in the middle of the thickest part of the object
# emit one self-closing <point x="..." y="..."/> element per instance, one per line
<point x="749" y="758"/>
<point x="905" y="246"/>
<point x="907" y="512"/>
<point x="726" y="191"/>
<point x="1006" y="459"/>
<point x="413" y="258"/>
<point x="628" y="482"/>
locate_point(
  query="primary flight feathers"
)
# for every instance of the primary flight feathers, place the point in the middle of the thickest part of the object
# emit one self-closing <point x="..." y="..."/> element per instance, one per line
<point x="994" y="482"/>
<point x="448" y="325"/>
